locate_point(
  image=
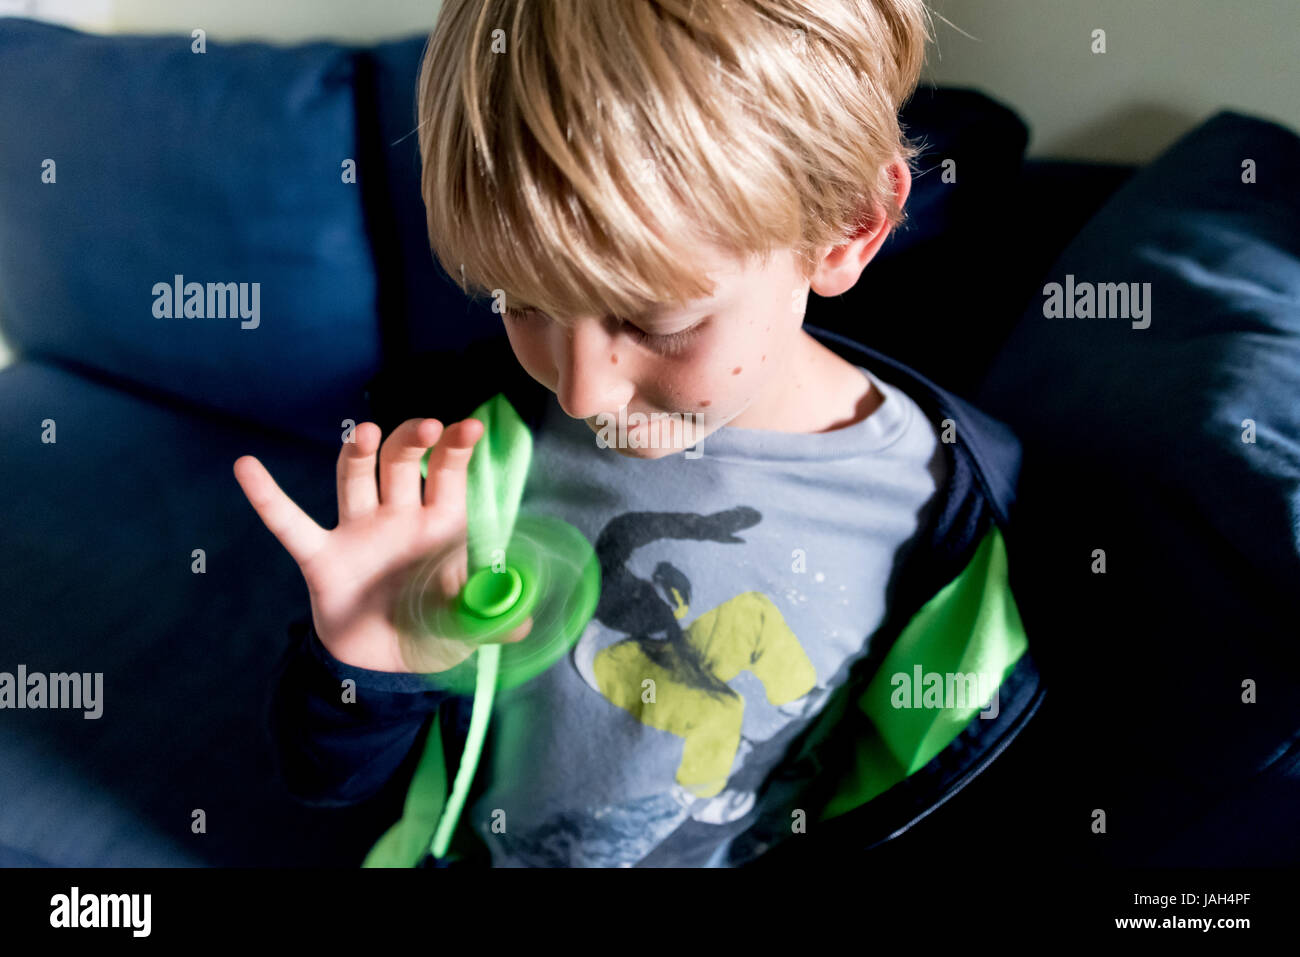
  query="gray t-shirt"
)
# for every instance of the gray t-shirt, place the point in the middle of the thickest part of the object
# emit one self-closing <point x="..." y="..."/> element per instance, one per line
<point x="739" y="588"/>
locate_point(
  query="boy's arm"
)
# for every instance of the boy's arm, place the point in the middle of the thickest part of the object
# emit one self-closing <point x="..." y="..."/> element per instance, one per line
<point x="335" y="745"/>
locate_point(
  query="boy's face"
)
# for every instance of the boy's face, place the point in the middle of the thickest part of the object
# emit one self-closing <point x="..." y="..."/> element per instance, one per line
<point x="717" y="357"/>
<point x="739" y="357"/>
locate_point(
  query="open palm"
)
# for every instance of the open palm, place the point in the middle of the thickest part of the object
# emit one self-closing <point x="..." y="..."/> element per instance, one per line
<point x="388" y="530"/>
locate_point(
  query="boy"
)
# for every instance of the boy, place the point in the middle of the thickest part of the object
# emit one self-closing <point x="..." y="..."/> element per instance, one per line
<point x="649" y="191"/>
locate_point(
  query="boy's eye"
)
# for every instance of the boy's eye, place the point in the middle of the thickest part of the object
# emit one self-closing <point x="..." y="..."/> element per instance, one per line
<point x="669" y="345"/>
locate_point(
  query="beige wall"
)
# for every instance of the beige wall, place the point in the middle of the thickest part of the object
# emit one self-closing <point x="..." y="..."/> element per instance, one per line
<point x="1168" y="65"/>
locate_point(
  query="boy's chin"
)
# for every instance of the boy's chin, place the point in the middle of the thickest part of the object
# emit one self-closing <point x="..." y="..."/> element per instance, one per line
<point x="632" y="453"/>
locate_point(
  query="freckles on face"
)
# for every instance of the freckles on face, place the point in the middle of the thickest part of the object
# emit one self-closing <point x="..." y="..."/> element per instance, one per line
<point x="758" y="325"/>
<point x="722" y="387"/>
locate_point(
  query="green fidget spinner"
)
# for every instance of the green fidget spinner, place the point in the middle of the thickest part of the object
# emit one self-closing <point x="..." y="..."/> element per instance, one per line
<point x="520" y="566"/>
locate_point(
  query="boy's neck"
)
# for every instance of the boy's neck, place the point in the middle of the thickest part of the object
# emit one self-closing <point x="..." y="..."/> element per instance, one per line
<point x="819" y="392"/>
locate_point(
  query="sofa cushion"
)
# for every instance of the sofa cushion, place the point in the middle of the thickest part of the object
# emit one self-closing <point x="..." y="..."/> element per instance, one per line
<point x="1165" y="442"/>
<point x="223" y="167"/>
<point x="100" y="576"/>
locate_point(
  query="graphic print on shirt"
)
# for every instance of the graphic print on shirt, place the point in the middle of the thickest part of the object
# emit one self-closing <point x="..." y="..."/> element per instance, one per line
<point x="673" y="676"/>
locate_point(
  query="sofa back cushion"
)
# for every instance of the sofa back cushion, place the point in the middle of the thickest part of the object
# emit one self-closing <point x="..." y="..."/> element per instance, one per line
<point x="134" y="167"/>
<point x="1159" y="513"/>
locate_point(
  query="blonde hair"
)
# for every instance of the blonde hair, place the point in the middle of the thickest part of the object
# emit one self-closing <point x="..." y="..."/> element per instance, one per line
<point x="575" y="154"/>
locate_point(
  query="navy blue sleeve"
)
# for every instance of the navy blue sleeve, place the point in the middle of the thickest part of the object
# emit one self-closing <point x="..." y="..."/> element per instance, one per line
<point x="331" y="752"/>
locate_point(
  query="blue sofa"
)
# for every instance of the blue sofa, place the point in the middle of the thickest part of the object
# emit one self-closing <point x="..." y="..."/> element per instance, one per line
<point x="128" y="548"/>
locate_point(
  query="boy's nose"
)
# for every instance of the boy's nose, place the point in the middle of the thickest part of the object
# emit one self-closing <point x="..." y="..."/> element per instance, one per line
<point x="589" y="383"/>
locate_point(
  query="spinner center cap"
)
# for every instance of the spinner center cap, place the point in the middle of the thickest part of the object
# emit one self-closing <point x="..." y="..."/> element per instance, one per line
<point x="490" y="594"/>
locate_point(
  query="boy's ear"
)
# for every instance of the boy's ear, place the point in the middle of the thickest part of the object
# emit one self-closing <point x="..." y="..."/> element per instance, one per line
<point x="840" y="266"/>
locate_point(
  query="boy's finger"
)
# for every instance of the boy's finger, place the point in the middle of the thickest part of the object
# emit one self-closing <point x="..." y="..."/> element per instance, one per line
<point x="454" y="573"/>
<point x="444" y="486"/>
<point x="292" y="527"/>
<point x="357" y="490"/>
<point x="399" y="460"/>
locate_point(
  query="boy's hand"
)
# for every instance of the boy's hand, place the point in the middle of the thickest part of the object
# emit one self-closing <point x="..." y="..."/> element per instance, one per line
<point x="356" y="572"/>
